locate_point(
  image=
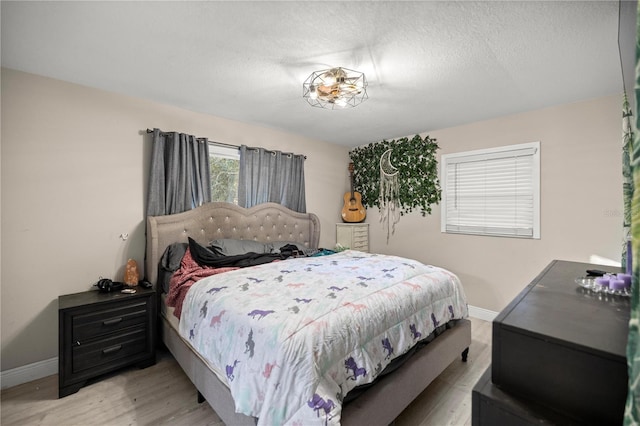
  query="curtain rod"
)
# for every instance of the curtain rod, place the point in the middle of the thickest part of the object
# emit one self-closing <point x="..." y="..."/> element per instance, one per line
<point x="228" y="144"/>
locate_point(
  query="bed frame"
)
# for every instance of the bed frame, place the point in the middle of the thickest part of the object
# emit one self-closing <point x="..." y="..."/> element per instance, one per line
<point x="379" y="404"/>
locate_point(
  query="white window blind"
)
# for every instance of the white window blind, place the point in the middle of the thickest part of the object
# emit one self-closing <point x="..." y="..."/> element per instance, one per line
<point x="492" y="191"/>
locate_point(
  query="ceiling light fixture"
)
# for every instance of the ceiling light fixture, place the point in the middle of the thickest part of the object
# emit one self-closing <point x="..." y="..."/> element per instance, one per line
<point x="335" y="88"/>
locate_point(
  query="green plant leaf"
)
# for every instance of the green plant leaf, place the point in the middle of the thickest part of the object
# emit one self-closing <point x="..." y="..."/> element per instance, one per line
<point x="417" y="166"/>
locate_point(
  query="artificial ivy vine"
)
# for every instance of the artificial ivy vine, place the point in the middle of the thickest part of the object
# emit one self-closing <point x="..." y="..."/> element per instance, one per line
<point x="417" y="167"/>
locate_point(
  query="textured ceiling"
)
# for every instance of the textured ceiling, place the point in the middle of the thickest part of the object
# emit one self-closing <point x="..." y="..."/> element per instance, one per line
<point x="430" y="65"/>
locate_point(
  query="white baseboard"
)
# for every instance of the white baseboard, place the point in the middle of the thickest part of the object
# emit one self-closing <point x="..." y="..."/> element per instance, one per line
<point x="481" y="313"/>
<point x="26" y="373"/>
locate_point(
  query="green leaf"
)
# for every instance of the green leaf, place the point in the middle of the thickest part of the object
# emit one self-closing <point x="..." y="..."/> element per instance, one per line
<point x="417" y="166"/>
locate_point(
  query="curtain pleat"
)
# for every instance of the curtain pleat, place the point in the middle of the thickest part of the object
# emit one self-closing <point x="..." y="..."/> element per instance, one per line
<point x="179" y="179"/>
<point x="271" y="176"/>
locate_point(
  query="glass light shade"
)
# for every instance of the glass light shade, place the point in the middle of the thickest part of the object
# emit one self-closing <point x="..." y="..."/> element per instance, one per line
<point x="335" y="88"/>
<point x="328" y="79"/>
<point x="313" y="93"/>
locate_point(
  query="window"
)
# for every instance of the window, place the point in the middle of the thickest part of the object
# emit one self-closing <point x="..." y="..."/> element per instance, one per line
<point x="492" y="191"/>
<point x="224" y="165"/>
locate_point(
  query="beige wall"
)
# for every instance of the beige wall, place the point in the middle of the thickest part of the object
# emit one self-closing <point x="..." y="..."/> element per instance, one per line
<point x="74" y="172"/>
<point x="581" y="201"/>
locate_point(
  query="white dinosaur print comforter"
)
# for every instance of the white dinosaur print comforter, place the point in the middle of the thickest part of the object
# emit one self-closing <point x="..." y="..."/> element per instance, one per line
<point x="293" y="337"/>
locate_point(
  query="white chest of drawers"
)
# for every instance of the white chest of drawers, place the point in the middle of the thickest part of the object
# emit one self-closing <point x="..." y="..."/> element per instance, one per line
<point x="353" y="235"/>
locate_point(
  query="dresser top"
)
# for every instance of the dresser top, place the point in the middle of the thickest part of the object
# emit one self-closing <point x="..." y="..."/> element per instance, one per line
<point x="95" y="297"/>
<point x="555" y="307"/>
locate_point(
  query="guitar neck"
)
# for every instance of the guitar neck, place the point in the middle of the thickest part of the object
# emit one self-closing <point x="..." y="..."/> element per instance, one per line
<point x="351" y="180"/>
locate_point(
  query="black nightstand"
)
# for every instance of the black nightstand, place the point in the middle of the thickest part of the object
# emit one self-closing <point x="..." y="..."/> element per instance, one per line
<point x="102" y="332"/>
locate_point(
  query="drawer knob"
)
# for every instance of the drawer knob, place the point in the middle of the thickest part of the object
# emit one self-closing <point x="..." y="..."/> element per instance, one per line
<point x="111" y="321"/>
<point x="77" y="342"/>
<point x="112" y="349"/>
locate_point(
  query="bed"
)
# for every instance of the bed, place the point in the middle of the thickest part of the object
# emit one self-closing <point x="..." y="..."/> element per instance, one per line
<point x="269" y="223"/>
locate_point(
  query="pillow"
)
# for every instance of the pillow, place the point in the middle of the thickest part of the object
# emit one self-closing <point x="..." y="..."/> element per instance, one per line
<point x="231" y="247"/>
<point x="276" y="246"/>
<point x="169" y="263"/>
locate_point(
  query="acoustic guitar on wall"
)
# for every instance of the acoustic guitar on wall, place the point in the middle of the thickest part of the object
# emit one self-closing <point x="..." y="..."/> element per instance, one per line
<point x="353" y="211"/>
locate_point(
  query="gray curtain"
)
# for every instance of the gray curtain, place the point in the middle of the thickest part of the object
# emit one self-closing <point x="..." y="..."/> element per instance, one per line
<point x="179" y="179"/>
<point x="271" y="176"/>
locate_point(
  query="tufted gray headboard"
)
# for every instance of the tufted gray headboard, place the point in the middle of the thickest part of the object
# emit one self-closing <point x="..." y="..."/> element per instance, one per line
<point x="265" y="223"/>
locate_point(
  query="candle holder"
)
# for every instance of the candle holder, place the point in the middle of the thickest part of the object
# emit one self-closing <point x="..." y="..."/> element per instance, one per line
<point x="603" y="285"/>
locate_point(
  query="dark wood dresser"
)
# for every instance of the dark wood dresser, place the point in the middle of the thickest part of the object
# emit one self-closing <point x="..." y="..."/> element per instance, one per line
<point x="102" y="332"/>
<point x="558" y="354"/>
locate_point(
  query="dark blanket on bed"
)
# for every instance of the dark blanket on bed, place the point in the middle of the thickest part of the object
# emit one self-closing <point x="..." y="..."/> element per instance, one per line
<point x="207" y="257"/>
<point x="197" y="262"/>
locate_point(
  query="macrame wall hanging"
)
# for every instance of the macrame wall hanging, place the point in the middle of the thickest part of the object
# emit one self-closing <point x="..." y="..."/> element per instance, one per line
<point x="389" y="194"/>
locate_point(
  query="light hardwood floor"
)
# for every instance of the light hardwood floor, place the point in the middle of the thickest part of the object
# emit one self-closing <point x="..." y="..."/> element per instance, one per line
<point x="163" y="395"/>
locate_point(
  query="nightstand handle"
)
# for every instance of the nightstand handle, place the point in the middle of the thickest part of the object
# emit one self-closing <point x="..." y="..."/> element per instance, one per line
<point x="115" y="348"/>
<point x="111" y="321"/>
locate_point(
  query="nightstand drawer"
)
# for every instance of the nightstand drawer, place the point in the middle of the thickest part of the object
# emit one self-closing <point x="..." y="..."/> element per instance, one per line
<point x="362" y="247"/>
<point x="102" y="322"/>
<point x="360" y="239"/>
<point x="361" y="232"/>
<point x="126" y="344"/>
